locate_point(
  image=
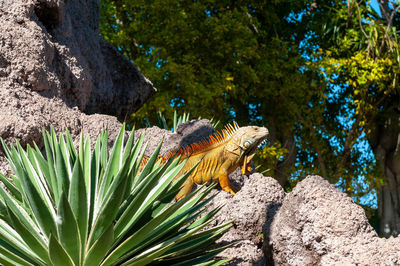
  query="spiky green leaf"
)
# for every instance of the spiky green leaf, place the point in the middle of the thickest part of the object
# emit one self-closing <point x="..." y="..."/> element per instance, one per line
<point x="31" y="238"/>
<point x="57" y="253"/>
<point x="68" y="230"/>
<point x="78" y="201"/>
<point x="100" y="248"/>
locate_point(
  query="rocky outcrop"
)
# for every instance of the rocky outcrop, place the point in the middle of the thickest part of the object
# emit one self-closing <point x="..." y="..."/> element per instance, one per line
<point x="319" y="225"/>
<point x="252" y="208"/>
<point x="55" y="69"/>
<point x="54" y="47"/>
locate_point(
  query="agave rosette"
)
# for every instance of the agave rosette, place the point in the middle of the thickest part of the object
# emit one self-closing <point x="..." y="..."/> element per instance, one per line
<point x="84" y="207"/>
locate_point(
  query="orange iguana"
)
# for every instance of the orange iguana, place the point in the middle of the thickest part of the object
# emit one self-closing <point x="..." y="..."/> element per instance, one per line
<point x="219" y="155"/>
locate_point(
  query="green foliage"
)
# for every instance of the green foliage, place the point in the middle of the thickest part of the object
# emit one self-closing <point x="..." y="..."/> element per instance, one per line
<point x="231" y="60"/>
<point x="320" y="75"/>
<point x="81" y="208"/>
<point x="211" y="58"/>
<point x="268" y="157"/>
<point x="359" y="54"/>
<point x="164" y="123"/>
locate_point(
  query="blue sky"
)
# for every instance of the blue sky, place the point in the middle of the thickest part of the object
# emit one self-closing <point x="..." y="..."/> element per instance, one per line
<point x="375" y="6"/>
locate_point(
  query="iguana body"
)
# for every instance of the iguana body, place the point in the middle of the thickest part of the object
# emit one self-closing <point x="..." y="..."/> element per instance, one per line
<point x="219" y="155"/>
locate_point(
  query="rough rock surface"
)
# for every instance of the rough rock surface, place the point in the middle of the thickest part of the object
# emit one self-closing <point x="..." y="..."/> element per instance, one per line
<point x="186" y="133"/>
<point x="251" y="208"/>
<point x="319" y="225"/>
<point x="53" y="47"/>
<point x="55" y="69"/>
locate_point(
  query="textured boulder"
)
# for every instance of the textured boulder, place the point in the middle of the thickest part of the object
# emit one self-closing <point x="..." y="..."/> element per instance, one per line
<point x="53" y="47"/>
<point x="23" y="114"/>
<point x="55" y="69"/>
<point x="252" y="208"/>
<point x="319" y="225"/>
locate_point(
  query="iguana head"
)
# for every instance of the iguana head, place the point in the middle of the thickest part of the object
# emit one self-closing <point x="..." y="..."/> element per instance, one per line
<point x="251" y="138"/>
<point x="245" y="141"/>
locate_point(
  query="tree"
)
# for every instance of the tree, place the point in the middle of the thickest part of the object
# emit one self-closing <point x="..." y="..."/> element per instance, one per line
<point x="361" y="55"/>
<point x="223" y="59"/>
<point x="322" y="76"/>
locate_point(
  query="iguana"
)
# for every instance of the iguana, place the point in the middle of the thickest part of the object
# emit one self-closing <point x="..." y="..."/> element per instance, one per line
<point x="219" y="155"/>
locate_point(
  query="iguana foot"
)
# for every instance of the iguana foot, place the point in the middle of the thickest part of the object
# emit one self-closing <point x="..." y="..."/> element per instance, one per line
<point x="231" y="189"/>
<point x="185" y="189"/>
<point x="247" y="170"/>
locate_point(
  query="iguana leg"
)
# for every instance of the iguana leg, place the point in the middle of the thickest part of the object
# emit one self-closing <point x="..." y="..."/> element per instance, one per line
<point x="224" y="179"/>
<point x="246" y="167"/>
<point x="185" y="189"/>
<point x="247" y="170"/>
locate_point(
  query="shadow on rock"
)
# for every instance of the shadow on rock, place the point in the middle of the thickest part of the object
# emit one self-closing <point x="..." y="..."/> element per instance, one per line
<point x="272" y="209"/>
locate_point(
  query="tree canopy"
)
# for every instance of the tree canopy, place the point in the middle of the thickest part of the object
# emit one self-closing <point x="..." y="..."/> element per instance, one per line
<point x="321" y="75"/>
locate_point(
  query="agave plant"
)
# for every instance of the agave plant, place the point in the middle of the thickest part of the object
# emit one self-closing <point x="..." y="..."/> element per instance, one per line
<point x="80" y="207"/>
<point x="161" y="122"/>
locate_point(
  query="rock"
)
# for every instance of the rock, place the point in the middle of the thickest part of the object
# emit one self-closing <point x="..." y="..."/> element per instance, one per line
<point x="154" y="135"/>
<point x="243" y="252"/>
<point x="252" y="207"/>
<point x="187" y="133"/>
<point x="249" y="207"/>
<point x="53" y="48"/>
<point x="319" y="225"/>
<point x="56" y="70"/>
<point x="26" y="123"/>
<point x="194" y="131"/>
